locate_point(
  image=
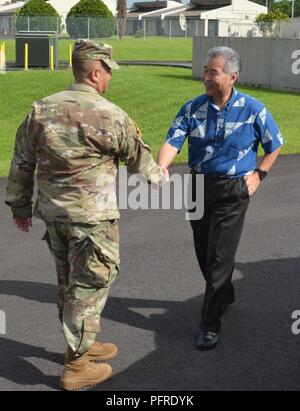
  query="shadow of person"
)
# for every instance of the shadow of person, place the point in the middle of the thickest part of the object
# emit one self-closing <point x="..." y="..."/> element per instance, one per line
<point x="15" y="363"/>
<point x="257" y="350"/>
<point x="30" y="290"/>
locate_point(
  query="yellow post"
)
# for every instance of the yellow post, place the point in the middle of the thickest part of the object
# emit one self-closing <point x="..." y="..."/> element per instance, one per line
<point x="26" y="57"/>
<point x="4" y="54"/>
<point x="52" y="58"/>
<point x="1" y="56"/>
<point x="70" y="55"/>
<point x="3" y="47"/>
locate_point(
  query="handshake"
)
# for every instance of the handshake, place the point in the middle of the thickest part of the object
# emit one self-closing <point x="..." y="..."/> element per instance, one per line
<point x="157" y="180"/>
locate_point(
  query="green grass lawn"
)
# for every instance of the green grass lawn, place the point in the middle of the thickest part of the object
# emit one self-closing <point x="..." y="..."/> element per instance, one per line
<point x="130" y="48"/>
<point x="151" y="95"/>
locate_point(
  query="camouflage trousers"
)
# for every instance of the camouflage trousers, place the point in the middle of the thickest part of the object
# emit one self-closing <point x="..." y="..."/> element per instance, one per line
<point x="87" y="262"/>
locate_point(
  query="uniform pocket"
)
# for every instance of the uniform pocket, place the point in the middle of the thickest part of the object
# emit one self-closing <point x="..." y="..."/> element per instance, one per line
<point x="46" y="237"/>
<point x="95" y="259"/>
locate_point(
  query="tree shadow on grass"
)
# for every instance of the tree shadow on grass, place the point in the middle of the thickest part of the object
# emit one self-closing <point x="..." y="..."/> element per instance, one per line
<point x="179" y="77"/>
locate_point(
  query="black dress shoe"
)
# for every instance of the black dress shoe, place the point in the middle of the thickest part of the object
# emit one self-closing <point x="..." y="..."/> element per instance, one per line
<point x="207" y="340"/>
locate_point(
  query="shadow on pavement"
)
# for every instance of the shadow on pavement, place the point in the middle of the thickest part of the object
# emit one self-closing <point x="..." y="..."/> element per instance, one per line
<point x="33" y="291"/>
<point x="257" y="349"/>
<point x="16" y="367"/>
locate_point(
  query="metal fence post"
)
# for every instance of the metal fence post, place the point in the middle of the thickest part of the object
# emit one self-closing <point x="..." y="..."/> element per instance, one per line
<point x="88" y="27"/>
<point x="170" y="29"/>
<point x="28" y="23"/>
<point x="293" y="8"/>
<point x="144" y="21"/>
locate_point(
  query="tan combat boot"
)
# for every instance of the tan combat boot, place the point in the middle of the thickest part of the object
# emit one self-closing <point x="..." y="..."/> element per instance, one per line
<point x="79" y="372"/>
<point x="101" y="352"/>
<point x="97" y="352"/>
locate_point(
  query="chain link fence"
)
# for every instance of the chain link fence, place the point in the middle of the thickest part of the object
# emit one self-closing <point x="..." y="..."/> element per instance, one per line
<point x="73" y="27"/>
<point x="86" y="27"/>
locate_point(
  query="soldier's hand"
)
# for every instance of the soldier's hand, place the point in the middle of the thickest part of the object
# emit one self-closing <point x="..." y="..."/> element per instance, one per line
<point x="23" y="225"/>
<point x="163" y="179"/>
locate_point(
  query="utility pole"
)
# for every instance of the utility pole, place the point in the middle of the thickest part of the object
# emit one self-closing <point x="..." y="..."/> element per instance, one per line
<point x="293" y="8"/>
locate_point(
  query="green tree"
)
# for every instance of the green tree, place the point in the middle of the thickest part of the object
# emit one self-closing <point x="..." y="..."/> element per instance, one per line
<point x="261" y="2"/>
<point x="90" y="18"/>
<point x="274" y="15"/>
<point x="285" y="6"/>
<point x="42" y="17"/>
<point x="270" y="3"/>
<point x="266" y="22"/>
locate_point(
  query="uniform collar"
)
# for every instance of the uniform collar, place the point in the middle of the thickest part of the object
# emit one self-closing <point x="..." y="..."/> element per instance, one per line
<point x="83" y="87"/>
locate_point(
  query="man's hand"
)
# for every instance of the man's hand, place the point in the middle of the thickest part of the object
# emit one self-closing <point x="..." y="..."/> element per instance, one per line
<point x="23" y="225"/>
<point x="252" y="181"/>
<point x="163" y="179"/>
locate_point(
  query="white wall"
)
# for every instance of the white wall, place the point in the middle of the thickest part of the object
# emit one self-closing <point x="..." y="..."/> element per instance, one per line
<point x="271" y="63"/>
<point x="239" y="10"/>
<point x="10" y="6"/>
<point x="236" y="20"/>
<point x="291" y="28"/>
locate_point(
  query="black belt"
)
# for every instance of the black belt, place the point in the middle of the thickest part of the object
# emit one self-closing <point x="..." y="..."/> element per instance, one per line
<point x="212" y="177"/>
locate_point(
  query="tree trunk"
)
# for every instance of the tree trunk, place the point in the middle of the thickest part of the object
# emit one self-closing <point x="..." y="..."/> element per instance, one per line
<point x="121" y="17"/>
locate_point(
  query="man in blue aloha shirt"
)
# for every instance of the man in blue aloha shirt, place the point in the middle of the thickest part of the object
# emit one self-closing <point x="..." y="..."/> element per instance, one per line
<point x="224" y="129"/>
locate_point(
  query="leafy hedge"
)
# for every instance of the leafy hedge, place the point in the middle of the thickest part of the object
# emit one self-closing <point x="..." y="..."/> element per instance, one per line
<point x="90" y="18"/>
<point x="42" y="17"/>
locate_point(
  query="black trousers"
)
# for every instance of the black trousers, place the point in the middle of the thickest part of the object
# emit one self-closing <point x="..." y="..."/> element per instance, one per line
<point x="216" y="239"/>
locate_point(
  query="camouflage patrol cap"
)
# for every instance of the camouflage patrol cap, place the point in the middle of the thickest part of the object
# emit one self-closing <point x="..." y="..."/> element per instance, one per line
<point x="91" y="50"/>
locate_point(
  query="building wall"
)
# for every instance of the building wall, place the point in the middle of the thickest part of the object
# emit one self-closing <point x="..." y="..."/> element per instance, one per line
<point x="290" y="29"/>
<point x="5" y="25"/>
<point x="239" y="10"/>
<point x="238" y="28"/>
<point x="166" y="27"/>
<point x="270" y="63"/>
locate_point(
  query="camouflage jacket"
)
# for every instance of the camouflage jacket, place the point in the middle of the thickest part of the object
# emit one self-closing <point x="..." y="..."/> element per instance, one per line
<point x="75" y="139"/>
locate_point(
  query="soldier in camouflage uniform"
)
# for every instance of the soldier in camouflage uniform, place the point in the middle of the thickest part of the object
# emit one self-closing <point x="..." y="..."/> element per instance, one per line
<point x="76" y="139"/>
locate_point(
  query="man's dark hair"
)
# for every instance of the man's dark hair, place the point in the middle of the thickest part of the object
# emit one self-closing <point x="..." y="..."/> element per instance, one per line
<point x="82" y="68"/>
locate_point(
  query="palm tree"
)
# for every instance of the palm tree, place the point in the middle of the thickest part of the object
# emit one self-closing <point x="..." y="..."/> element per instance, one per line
<point x="121" y="17"/>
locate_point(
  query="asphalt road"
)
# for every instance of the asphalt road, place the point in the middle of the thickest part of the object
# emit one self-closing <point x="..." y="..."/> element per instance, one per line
<point x="154" y="306"/>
